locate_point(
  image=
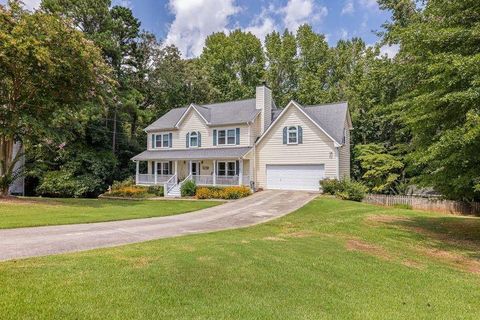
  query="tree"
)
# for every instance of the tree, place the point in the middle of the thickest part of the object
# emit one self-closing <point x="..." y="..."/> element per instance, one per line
<point x="234" y="64"/>
<point x="313" y="68"/>
<point x="440" y="62"/>
<point x="381" y="171"/>
<point x="282" y="63"/>
<point x="47" y="69"/>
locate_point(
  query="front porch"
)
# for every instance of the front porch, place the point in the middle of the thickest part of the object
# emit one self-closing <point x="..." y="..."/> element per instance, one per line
<point x="206" y="172"/>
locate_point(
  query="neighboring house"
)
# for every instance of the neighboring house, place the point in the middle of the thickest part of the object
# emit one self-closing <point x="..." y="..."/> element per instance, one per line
<point x="248" y="142"/>
<point x="18" y="186"/>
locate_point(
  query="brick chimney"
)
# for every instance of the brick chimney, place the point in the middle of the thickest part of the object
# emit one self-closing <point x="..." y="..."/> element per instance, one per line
<point x="264" y="102"/>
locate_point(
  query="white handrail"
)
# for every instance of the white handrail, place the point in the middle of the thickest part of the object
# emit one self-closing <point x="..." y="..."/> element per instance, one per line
<point x="167" y="186"/>
<point x="189" y="177"/>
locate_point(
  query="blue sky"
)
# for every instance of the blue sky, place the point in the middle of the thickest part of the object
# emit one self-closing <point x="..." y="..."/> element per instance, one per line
<point x="186" y="23"/>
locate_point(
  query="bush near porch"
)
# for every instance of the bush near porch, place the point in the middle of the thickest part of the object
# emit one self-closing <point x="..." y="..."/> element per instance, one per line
<point x="128" y="189"/>
<point x="227" y="193"/>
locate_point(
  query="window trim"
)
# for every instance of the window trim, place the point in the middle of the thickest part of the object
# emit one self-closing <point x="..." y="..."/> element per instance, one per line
<point x="226" y="130"/>
<point x="161" y="145"/>
<point x="161" y="165"/>
<point x="190" y="139"/>
<point x="226" y="168"/>
<point x="296" y="134"/>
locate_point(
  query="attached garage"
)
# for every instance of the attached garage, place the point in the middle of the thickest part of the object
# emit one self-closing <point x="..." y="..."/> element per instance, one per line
<point x="295" y="177"/>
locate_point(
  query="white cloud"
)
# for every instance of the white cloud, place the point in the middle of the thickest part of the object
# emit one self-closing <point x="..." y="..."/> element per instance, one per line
<point x="195" y="20"/>
<point x="348" y="8"/>
<point x="263" y="24"/>
<point x="389" y="50"/>
<point x="297" y="12"/>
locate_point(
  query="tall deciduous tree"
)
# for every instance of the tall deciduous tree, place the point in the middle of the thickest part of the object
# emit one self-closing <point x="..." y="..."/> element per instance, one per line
<point x="234" y="63"/>
<point x="47" y="70"/>
<point x="440" y="60"/>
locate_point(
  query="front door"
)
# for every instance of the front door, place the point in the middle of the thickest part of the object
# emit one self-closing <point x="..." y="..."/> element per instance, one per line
<point x="195" y="169"/>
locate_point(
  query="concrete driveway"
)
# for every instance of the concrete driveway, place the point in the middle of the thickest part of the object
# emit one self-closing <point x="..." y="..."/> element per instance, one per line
<point x="40" y="241"/>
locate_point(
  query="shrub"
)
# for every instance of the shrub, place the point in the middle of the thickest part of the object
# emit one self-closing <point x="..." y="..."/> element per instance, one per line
<point x="344" y="189"/>
<point x="227" y="193"/>
<point x="329" y="186"/>
<point x="188" y="188"/>
<point x="129" y="192"/>
<point x="63" y="183"/>
<point x="351" y="190"/>
<point x="117" y="185"/>
<point x="156" y="190"/>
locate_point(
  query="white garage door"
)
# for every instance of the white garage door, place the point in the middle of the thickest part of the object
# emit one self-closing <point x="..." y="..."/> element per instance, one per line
<point x="295" y="177"/>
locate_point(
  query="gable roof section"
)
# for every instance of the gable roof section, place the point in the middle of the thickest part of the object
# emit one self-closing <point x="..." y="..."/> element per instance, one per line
<point x="329" y="118"/>
<point x="216" y="114"/>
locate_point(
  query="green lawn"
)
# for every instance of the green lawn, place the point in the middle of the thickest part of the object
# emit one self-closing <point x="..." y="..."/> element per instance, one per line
<point x="30" y="212"/>
<point x="331" y="259"/>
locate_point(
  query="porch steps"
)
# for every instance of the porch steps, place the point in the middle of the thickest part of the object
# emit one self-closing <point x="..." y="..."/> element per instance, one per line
<point x="174" y="193"/>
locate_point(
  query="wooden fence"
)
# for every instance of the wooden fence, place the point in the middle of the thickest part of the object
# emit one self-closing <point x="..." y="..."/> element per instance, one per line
<point x="447" y="206"/>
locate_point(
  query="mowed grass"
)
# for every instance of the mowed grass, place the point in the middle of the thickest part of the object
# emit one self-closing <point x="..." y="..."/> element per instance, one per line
<point x="331" y="259"/>
<point x="30" y="212"/>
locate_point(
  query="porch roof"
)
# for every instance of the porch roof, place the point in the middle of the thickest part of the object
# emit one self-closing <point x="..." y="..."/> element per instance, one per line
<point x="193" y="154"/>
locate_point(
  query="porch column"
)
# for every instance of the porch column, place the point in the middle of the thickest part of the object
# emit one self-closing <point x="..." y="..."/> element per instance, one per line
<point x="176" y="168"/>
<point x="240" y="172"/>
<point x="214" y="172"/>
<point x="189" y="167"/>
<point x="137" y="171"/>
<point x="155" y="171"/>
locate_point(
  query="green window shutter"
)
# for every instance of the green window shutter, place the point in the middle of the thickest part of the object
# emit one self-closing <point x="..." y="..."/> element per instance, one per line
<point x="187" y="140"/>
<point x="285" y="135"/>
<point x="300" y="134"/>
<point x="237" y="167"/>
<point x="170" y="140"/>
<point x="215" y="137"/>
<point x="237" y="136"/>
<point x="199" y="135"/>
<point x="153" y="141"/>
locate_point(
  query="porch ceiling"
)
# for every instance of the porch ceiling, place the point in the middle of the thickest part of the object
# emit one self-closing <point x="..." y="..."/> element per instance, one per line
<point x="192" y="154"/>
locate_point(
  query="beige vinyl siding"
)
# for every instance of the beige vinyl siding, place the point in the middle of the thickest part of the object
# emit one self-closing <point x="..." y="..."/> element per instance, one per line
<point x="344" y="153"/>
<point x="316" y="148"/>
<point x="193" y="122"/>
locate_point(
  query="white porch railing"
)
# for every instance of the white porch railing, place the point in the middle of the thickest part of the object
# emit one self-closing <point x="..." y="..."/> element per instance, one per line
<point x="170" y="184"/>
<point x="210" y="180"/>
<point x="149" y="179"/>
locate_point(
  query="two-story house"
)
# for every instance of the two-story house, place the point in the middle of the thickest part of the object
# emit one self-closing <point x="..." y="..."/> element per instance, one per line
<point x="248" y="142"/>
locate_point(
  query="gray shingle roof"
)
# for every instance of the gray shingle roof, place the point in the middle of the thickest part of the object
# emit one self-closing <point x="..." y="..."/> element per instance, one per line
<point x="192" y="154"/>
<point x="216" y="114"/>
<point x="330" y="117"/>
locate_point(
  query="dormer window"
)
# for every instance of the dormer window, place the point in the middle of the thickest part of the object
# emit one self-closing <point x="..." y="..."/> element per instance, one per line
<point x="193" y="139"/>
<point x="292" y="135"/>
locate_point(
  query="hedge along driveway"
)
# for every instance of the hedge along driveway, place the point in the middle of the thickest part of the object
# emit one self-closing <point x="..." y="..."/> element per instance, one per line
<point x="33" y="212"/>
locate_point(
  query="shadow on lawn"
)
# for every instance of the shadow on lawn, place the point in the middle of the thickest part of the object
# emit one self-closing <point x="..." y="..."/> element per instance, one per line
<point x="446" y="232"/>
<point x="72" y="202"/>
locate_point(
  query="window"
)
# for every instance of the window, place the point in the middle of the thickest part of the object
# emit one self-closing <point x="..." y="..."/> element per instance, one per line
<point x="221" y="137"/>
<point x="166" y="141"/>
<point x="292" y="135"/>
<point x="226" y="168"/>
<point x="193" y="139"/>
<point x="158" y="141"/>
<point x="231" y="169"/>
<point x="162" y="140"/>
<point x="231" y="136"/>
<point x="227" y="137"/>
<point x="222" y="169"/>
<point x="163" y="168"/>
